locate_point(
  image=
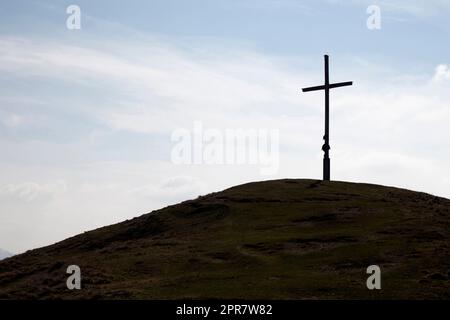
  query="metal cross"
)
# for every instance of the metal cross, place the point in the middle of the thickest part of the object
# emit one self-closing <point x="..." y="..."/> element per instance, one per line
<point x="327" y="86"/>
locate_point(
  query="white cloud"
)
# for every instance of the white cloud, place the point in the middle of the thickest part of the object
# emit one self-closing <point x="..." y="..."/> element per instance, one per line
<point x="168" y="89"/>
<point x="12" y="120"/>
<point x="442" y="73"/>
<point x="31" y="191"/>
<point x="171" y="190"/>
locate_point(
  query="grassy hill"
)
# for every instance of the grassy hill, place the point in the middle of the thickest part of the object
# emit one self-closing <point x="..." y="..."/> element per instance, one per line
<point x="284" y="239"/>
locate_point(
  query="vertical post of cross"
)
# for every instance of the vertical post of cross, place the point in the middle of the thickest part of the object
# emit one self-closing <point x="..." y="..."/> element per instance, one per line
<point x="326" y="146"/>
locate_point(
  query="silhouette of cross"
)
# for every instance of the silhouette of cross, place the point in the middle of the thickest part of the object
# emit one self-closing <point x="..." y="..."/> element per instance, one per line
<point x="327" y="86"/>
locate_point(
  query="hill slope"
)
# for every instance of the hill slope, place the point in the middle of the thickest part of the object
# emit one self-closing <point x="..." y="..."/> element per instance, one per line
<point x="284" y="239"/>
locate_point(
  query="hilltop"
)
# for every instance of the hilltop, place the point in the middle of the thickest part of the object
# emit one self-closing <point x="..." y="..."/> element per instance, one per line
<point x="282" y="239"/>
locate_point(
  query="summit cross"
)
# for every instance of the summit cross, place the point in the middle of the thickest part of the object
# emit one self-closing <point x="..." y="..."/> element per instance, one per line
<point x="327" y="86"/>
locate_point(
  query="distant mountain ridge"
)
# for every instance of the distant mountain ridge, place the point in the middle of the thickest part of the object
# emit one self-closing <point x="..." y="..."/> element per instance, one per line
<point x="5" y="254"/>
<point x="281" y="239"/>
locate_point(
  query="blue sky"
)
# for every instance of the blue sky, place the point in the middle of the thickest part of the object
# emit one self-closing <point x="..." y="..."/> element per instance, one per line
<point x="87" y="115"/>
<point x="273" y="26"/>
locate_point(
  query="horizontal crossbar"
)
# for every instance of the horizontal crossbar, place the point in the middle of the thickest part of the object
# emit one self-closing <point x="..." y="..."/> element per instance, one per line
<point x="341" y="84"/>
<point x="330" y="86"/>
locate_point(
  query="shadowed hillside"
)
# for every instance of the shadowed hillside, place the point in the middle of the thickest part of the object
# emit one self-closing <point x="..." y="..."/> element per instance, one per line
<point x="284" y="239"/>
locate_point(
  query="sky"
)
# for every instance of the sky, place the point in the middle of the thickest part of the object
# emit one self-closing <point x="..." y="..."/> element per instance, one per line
<point x="89" y="117"/>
